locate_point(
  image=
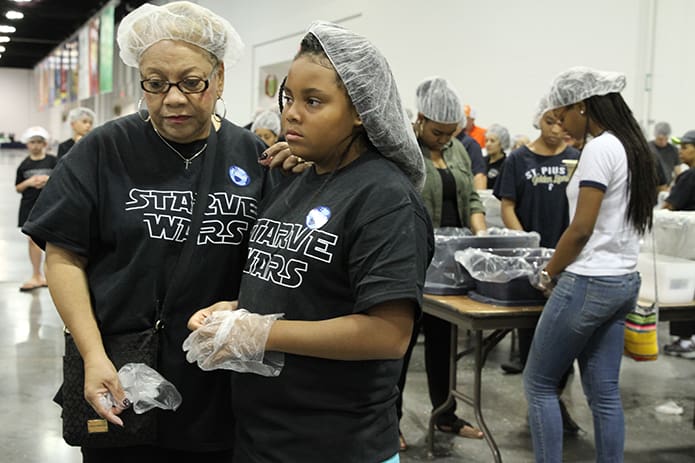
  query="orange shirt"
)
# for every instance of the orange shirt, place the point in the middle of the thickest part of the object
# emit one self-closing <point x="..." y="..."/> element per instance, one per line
<point x="478" y="134"/>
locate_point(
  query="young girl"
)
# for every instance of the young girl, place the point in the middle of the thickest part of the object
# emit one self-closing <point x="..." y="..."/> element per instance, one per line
<point x="32" y="175"/>
<point x="611" y="196"/>
<point x="342" y="252"/>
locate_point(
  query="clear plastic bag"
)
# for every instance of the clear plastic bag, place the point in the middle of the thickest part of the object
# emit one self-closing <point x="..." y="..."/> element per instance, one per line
<point x="446" y="276"/>
<point x="145" y="388"/>
<point x="674" y="234"/>
<point x="503" y="265"/>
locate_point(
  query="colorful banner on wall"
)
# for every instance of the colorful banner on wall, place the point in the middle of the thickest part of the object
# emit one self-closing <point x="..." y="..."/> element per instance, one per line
<point x="106" y="50"/>
<point x="83" y="71"/>
<point x="93" y="52"/>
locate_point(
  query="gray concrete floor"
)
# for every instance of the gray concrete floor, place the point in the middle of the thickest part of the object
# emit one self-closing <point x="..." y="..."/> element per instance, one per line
<point x="31" y="347"/>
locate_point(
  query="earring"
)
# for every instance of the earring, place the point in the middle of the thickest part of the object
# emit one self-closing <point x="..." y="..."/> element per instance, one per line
<point x="224" y="107"/>
<point x="581" y="111"/>
<point x="145" y="118"/>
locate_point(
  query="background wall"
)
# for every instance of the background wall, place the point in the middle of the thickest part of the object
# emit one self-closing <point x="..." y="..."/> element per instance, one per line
<point x="15" y="109"/>
<point x="500" y="54"/>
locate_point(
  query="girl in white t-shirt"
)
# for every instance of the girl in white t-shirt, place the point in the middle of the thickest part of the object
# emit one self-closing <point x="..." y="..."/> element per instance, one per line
<point x="592" y="273"/>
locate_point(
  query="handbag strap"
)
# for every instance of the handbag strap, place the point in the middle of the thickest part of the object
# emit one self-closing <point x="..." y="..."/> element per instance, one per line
<point x="656" y="289"/>
<point x="201" y="201"/>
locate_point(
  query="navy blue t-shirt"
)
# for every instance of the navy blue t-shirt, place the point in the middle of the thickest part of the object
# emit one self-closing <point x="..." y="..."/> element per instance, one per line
<point x="682" y="196"/>
<point x="537" y="185"/>
<point x="478" y="164"/>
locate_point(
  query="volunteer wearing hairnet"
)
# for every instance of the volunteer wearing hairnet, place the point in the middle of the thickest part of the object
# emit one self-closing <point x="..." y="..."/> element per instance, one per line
<point x="119" y="212"/>
<point x="451" y="201"/>
<point x="267" y="127"/>
<point x="593" y="270"/>
<point x="340" y="253"/>
<point x="81" y="121"/>
<point x="496" y="144"/>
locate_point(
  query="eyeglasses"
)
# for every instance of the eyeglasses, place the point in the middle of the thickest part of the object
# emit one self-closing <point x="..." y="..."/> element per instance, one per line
<point x="187" y="85"/>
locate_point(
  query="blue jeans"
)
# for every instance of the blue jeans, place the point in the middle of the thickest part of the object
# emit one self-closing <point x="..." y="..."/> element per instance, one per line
<point x="584" y="319"/>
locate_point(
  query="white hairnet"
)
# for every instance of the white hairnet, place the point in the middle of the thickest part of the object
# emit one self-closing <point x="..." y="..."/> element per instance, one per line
<point x="185" y="21"/>
<point x="579" y="83"/>
<point x="436" y="99"/>
<point x="79" y="113"/>
<point x="35" y="131"/>
<point x="370" y="84"/>
<point x="267" y="120"/>
<point x="502" y="135"/>
<point x="543" y="107"/>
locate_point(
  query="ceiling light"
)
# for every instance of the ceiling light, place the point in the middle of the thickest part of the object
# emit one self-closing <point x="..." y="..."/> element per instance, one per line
<point x="14" y="15"/>
<point x="2" y="49"/>
<point x="22" y="1"/>
<point x="7" y="29"/>
<point x="4" y="39"/>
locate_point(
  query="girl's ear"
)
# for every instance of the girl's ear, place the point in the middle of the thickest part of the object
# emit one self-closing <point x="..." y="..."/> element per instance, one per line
<point x="581" y="107"/>
<point x="357" y="120"/>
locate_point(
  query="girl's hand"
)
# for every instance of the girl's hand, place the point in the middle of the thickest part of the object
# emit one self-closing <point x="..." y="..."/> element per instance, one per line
<point x="198" y="319"/>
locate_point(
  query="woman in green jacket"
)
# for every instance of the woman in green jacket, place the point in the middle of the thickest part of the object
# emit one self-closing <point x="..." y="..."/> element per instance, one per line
<point x="451" y="201"/>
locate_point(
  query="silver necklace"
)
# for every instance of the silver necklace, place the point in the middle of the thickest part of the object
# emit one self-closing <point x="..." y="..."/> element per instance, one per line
<point x="186" y="160"/>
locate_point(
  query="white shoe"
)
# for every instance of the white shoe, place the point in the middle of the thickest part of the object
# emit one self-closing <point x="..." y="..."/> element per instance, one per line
<point x="669" y="408"/>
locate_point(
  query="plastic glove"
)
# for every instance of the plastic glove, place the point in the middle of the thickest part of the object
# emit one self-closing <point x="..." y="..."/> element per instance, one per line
<point x="145" y="389"/>
<point x="234" y="340"/>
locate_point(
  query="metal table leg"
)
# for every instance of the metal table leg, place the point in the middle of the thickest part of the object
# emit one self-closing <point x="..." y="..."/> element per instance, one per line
<point x="482" y="348"/>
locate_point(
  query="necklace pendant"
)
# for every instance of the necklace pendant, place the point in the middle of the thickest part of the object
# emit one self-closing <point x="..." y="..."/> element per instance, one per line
<point x="187" y="162"/>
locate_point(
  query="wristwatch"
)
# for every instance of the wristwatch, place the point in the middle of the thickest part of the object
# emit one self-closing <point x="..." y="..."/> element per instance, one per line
<point x="545" y="280"/>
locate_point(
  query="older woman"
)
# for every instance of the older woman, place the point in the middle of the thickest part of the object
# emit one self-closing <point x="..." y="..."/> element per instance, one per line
<point x="497" y="142"/>
<point x="126" y="203"/>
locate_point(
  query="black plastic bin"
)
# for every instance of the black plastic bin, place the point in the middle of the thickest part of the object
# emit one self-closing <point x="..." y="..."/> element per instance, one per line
<point x="445" y="276"/>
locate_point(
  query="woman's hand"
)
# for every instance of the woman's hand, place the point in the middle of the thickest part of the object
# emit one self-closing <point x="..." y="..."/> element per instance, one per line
<point x="280" y="155"/>
<point x="100" y="380"/>
<point x="198" y="319"/>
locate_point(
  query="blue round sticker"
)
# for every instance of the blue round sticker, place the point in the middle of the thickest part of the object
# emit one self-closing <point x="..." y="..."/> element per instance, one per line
<point x="317" y="217"/>
<point x="239" y="176"/>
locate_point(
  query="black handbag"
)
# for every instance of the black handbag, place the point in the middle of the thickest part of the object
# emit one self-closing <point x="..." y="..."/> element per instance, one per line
<point x="81" y="424"/>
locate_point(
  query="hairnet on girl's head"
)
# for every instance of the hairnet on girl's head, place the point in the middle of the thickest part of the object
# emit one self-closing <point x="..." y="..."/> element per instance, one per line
<point x="79" y="113"/>
<point x="543" y="107"/>
<point x="502" y="135"/>
<point x="185" y="21"/>
<point x="372" y="89"/>
<point x="267" y="120"/>
<point x="437" y="101"/>
<point x="36" y="131"/>
<point x="579" y="83"/>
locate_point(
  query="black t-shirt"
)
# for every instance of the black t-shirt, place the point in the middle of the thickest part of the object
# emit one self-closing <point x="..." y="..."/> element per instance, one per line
<point x="682" y="195"/>
<point x="319" y="252"/>
<point x="494" y="169"/>
<point x="64" y="147"/>
<point x="668" y="159"/>
<point x="537" y="186"/>
<point x="450" y="214"/>
<point x="28" y="168"/>
<point x="124" y="200"/>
